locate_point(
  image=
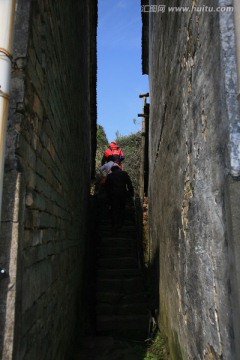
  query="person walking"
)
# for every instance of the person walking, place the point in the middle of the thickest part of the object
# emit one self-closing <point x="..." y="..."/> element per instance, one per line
<point x="106" y="168"/>
<point x="115" y="152"/>
<point x="118" y="187"/>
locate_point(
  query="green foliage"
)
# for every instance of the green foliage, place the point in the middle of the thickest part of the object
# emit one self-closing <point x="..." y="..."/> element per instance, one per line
<point x="131" y="146"/>
<point x="117" y="133"/>
<point x="101" y="136"/>
<point x="102" y="144"/>
<point x="157" y="350"/>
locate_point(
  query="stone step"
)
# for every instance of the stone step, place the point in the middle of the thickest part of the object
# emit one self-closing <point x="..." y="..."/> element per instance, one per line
<point x="107" y="223"/>
<point x="121" y="300"/>
<point x="118" y="263"/>
<point x="118" y="233"/>
<point x="124" y="286"/>
<point x="116" y="251"/>
<point x="123" y="309"/>
<point x="118" y="273"/>
<point x="105" y="214"/>
<point x="125" y="228"/>
<point x="124" y="323"/>
<point x="117" y="298"/>
<point x="117" y="242"/>
<point x="128" y="230"/>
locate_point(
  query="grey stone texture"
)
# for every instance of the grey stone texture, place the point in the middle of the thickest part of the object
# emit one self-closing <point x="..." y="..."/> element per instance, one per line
<point x="49" y="160"/>
<point x="194" y="119"/>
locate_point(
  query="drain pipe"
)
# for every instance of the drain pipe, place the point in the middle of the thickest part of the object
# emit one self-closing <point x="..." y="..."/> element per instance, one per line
<point x="236" y="8"/>
<point x="7" y="12"/>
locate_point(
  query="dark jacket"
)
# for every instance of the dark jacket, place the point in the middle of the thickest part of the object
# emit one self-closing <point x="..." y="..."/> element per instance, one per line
<point x="118" y="183"/>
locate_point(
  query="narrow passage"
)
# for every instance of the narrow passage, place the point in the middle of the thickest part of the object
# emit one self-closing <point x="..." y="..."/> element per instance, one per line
<point x="122" y="316"/>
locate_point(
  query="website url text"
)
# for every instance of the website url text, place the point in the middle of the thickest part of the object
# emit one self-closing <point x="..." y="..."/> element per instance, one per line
<point x="184" y="9"/>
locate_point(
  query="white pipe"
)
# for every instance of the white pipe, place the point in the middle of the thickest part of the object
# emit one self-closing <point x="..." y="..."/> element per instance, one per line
<point x="236" y="7"/>
<point x="7" y="12"/>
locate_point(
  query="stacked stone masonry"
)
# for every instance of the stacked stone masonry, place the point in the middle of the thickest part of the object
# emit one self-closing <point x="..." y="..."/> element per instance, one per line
<point x="47" y="175"/>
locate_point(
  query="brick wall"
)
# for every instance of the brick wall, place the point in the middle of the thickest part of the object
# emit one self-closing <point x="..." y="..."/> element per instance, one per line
<point x="49" y="157"/>
<point x="192" y="92"/>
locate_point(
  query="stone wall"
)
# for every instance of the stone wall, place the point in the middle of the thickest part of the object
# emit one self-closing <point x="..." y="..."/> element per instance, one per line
<point x="193" y="112"/>
<point x="49" y="157"/>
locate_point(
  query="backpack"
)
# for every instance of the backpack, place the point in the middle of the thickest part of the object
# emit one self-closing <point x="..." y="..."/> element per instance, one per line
<point x="115" y="152"/>
<point x="116" y="155"/>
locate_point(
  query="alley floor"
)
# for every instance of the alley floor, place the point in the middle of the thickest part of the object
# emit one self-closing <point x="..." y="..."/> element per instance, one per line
<point x="122" y="316"/>
<point x="110" y="348"/>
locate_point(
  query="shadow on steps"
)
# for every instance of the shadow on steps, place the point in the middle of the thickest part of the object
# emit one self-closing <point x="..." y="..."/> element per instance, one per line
<point x="121" y="298"/>
<point x="121" y="313"/>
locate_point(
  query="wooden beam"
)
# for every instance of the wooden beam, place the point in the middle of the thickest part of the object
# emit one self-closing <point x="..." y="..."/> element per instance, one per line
<point x="144" y="95"/>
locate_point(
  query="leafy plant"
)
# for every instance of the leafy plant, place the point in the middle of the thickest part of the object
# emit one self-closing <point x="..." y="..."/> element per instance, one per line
<point x="131" y="146"/>
<point x="158" y="350"/>
<point x="102" y="144"/>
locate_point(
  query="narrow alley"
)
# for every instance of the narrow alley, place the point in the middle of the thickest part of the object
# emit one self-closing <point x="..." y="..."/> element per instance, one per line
<point x="121" y="311"/>
<point x="62" y="288"/>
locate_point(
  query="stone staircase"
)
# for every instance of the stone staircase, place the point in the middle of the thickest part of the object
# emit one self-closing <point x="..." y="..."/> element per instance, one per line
<point x="121" y="301"/>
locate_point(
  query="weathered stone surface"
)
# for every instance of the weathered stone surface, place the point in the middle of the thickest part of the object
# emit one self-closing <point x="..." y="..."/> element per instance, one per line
<point x="193" y="120"/>
<point x="50" y="134"/>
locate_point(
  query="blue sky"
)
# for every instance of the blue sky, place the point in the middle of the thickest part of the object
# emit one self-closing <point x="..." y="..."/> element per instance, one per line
<point x="120" y="79"/>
